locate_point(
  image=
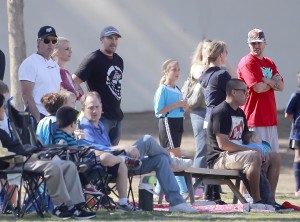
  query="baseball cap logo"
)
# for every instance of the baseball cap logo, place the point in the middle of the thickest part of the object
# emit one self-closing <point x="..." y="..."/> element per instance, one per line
<point x="48" y="29"/>
<point x="255" y="35"/>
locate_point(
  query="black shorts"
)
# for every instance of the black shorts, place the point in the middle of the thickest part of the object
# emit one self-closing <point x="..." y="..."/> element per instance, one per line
<point x="113" y="170"/>
<point x="170" y="132"/>
<point x="98" y="170"/>
<point x="294" y="144"/>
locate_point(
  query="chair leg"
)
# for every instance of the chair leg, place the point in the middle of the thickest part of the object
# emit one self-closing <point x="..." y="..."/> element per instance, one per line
<point x="33" y="197"/>
<point x="130" y="190"/>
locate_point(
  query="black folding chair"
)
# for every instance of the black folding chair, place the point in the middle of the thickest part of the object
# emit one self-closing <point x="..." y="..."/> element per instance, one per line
<point x="21" y="127"/>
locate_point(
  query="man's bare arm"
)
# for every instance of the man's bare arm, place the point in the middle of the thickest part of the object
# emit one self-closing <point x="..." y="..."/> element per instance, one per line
<point x="225" y="144"/>
<point x="27" y="88"/>
<point x="275" y="82"/>
<point x="261" y="87"/>
<point x="288" y="116"/>
<point x="76" y="79"/>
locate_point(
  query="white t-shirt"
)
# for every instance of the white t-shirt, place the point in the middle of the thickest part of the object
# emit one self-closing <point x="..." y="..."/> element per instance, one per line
<point x="44" y="73"/>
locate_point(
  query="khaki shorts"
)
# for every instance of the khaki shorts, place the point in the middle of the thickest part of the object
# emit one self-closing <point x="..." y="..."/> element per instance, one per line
<point x="240" y="160"/>
<point x="269" y="134"/>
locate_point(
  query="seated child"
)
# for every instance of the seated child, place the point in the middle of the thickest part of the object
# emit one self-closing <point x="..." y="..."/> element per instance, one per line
<point x="52" y="102"/>
<point x="64" y="135"/>
<point x="70" y="98"/>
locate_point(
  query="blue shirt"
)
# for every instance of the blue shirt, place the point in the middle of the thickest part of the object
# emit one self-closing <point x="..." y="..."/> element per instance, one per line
<point x="293" y="107"/>
<point x="95" y="134"/>
<point x="43" y="129"/>
<point x="68" y="139"/>
<point x="166" y="96"/>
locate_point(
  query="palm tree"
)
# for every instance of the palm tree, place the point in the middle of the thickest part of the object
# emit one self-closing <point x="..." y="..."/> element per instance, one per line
<point x="17" y="47"/>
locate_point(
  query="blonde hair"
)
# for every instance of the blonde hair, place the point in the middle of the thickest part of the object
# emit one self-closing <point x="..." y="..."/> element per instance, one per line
<point x="213" y="51"/>
<point x="67" y="95"/>
<point x="198" y="56"/>
<point x="165" y="68"/>
<point x="58" y="45"/>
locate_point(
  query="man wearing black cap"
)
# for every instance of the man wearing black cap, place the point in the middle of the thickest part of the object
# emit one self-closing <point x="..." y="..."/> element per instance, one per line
<point x="39" y="73"/>
<point x="102" y="70"/>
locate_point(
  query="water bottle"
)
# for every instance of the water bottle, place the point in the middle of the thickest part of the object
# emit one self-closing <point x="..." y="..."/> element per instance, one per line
<point x="146" y="193"/>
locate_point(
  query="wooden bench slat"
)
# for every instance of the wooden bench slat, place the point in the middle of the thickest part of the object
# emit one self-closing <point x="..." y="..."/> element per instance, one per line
<point x="212" y="171"/>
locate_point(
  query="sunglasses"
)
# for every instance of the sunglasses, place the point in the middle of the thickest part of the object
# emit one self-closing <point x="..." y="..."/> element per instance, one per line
<point x="245" y="91"/>
<point x="47" y="41"/>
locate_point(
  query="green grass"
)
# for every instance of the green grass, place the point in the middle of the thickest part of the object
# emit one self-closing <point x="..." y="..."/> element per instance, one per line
<point x="104" y="215"/>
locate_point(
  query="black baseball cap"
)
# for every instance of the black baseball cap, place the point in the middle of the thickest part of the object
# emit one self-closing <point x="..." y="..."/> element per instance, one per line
<point x="46" y="31"/>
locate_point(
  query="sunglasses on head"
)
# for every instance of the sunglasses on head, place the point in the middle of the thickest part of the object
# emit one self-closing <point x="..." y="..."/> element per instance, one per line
<point x="47" y="41"/>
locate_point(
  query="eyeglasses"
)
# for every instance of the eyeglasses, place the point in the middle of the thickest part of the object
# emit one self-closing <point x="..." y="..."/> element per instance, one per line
<point x="245" y="91"/>
<point x="47" y="41"/>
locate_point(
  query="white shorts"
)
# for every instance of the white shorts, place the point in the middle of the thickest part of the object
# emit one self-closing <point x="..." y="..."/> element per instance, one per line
<point x="268" y="134"/>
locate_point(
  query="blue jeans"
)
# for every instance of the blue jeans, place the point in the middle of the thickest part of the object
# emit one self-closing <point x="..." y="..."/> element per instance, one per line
<point x="113" y="129"/>
<point x="197" y="119"/>
<point x="181" y="183"/>
<point x="158" y="160"/>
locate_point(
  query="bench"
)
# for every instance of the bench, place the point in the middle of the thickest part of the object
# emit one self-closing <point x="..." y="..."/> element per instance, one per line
<point x="215" y="177"/>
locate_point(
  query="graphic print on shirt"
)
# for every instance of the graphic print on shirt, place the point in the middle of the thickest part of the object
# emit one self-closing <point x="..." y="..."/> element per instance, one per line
<point x="237" y="129"/>
<point x="267" y="72"/>
<point x="113" y="81"/>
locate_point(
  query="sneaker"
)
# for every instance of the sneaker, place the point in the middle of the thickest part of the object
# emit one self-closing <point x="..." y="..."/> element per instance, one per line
<point x="297" y="193"/>
<point x="220" y="202"/>
<point x="183" y="208"/>
<point x="179" y="164"/>
<point x="92" y="190"/>
<point x="127" y="208"/>
<point x="82" y="214"/>
<point x="248" y="198"/>
<point x="261" y="207"/>
<point x="61" y="212"/>
<point x="132" y="163"/>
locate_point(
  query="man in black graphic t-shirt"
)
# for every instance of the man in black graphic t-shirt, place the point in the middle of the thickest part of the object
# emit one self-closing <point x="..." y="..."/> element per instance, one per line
<point x="102" y="70"/>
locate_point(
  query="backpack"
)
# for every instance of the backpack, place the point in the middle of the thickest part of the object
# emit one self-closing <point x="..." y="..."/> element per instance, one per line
<point x="193" y="92"/>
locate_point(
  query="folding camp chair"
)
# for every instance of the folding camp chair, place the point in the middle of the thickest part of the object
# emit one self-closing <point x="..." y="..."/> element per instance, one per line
<point x="29" y="180"/>
<point x="22" y="131"/>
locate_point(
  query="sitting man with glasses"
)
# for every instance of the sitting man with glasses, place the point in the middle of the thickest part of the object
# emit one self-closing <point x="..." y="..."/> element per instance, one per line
<point x="226" y="126"/>
<point x="39" y="73"/>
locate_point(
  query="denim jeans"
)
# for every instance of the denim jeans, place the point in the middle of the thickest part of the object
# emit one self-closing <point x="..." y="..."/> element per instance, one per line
<point x="197" y="119"/>
<point x="157" y="159"/>
<point x="113" y="129"/>
<point x="181" y="183"/>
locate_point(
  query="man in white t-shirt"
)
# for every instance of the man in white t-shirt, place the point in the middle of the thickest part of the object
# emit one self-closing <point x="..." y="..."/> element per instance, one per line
<point x="39" y="73"/>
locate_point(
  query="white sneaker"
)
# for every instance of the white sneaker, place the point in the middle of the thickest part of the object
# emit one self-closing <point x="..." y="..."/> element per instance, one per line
<point x="179" y="164"/>
<point x="248" y="198"/>
<point x="183" y="208"/>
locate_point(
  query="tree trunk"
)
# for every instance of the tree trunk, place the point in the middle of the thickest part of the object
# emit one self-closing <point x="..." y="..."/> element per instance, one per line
<point x="17" y="47"/>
